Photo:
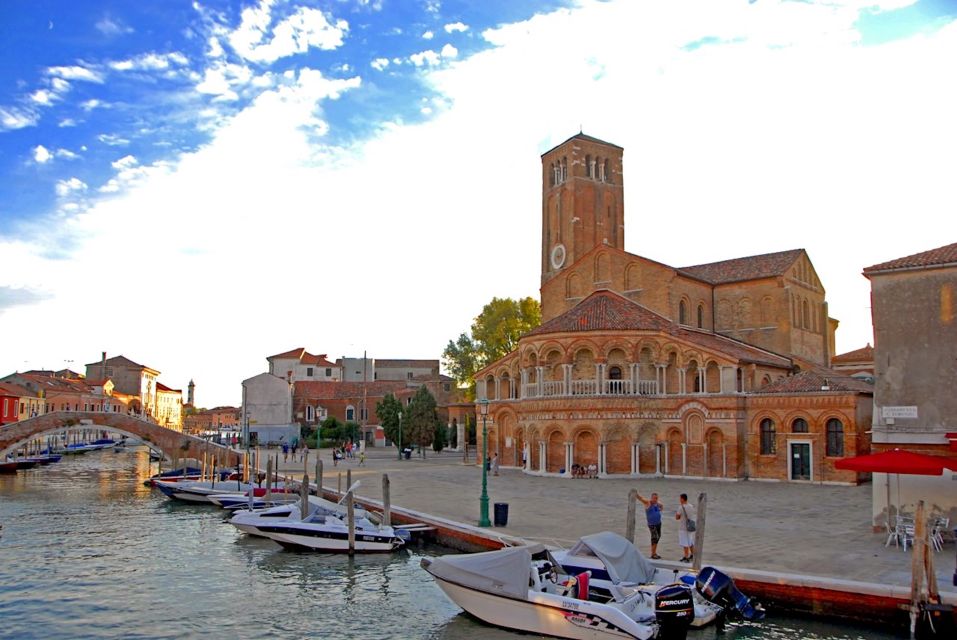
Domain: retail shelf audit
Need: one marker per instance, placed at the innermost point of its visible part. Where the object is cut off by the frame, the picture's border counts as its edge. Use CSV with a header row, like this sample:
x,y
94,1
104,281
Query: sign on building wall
x,y
899,412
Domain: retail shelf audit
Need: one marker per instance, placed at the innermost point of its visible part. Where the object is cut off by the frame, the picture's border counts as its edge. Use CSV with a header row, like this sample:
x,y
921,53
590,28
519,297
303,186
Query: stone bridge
x,y
173,444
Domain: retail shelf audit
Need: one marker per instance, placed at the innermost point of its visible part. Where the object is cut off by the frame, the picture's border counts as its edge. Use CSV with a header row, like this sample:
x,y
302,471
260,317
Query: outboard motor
x,y
674,611
718,587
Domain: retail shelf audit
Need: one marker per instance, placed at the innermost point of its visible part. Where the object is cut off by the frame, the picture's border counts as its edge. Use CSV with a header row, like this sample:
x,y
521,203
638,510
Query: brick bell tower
x,y
583,203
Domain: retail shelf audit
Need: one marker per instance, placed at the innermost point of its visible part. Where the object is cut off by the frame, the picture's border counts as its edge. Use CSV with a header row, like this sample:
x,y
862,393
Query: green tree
x,y
387,412
495,333
422,419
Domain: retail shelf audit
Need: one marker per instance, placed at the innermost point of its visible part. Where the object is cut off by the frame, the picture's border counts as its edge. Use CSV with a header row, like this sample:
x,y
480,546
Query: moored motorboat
x,y
229,500
196,491
520,588
8,467
618,569
329,533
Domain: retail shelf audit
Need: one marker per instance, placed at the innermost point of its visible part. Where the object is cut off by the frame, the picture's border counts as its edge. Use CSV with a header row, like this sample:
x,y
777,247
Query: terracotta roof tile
x,y
333,389
814,380
304,357
605,310
15,390
864,354
935,257
750,268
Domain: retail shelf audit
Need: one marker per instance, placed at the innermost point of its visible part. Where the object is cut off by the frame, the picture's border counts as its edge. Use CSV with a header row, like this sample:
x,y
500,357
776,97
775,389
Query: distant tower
x,y
583,204
190,394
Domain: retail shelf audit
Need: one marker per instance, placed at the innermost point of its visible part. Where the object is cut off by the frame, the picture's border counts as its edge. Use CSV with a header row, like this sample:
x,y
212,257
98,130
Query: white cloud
x,y
76,72
304,29
448,51
223,80
150,62
125,162
112,140
423,58
379,64
41,154
91,104
428,35
66,153
65,188
67,122
43,97
215,49
109,26
455,27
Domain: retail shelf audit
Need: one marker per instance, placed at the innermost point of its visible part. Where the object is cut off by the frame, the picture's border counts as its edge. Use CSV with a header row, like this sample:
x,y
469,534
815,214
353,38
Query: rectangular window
x,y
23,408
328,372
363,414
408,375
308,372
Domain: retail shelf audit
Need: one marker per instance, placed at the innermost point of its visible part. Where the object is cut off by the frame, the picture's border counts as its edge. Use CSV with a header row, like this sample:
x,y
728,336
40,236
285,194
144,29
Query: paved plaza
x,y
808,529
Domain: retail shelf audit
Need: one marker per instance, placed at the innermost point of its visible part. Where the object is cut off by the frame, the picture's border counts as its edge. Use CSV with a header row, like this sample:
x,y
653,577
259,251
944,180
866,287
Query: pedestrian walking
x,y
285,452
495,464
685,515
362,458
653,516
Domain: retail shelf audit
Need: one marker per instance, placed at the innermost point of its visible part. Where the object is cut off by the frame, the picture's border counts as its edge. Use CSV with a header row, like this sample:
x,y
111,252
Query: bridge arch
x,y
172,444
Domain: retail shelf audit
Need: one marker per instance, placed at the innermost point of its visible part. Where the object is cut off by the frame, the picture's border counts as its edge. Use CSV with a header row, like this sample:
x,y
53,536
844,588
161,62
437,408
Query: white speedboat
x,y
190,491
520,588
619,569
241,500
329,533
249,521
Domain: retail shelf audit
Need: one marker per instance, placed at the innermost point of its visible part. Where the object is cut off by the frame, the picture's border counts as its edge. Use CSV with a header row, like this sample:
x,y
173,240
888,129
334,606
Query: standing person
x,y
285,452
362,458
685,538
653,510
495,463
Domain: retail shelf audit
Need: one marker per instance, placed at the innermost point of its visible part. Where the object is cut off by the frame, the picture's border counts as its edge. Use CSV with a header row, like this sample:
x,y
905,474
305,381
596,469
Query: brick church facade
x,y
718,370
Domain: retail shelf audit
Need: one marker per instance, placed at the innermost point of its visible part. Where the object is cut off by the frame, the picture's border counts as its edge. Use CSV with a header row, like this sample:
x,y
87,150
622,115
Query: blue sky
x,y
200,185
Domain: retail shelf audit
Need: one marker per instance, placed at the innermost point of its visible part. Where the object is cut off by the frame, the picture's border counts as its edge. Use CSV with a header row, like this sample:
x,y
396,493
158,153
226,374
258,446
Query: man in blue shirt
x,y
653,514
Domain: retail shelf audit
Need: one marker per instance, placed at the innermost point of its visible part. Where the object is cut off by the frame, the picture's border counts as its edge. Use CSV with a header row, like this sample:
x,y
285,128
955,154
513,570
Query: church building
x,y
717,370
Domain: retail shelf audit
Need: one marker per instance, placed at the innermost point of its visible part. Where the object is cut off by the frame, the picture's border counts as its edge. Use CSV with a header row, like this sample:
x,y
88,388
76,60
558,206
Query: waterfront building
x,y
169,407
215,419
298,364
717,370
136,381
12,396
914,310
43,393
267,409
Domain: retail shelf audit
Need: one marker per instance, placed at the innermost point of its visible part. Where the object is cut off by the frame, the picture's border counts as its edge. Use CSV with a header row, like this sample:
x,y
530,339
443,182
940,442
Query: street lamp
x,y
483,501
400,435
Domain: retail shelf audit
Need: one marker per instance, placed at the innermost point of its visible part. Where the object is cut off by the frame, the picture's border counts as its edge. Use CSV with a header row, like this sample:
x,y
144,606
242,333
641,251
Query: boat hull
x,y
296,537
547,615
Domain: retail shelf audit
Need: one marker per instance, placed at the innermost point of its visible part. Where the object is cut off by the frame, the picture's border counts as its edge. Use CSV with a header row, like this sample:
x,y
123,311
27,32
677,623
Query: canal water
x,y
86,551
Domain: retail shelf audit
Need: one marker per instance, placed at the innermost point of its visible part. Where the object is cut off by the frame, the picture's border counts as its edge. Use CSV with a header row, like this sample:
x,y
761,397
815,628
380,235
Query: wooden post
x,y
319,476
351,514
699,531
348,478
917,566
304,494
339,485
202,475
386,502
630,522
267,496
212,475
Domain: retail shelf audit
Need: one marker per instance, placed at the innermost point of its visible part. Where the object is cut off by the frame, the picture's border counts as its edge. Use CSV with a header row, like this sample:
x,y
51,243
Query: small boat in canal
x,y
249,521
239,500
619,569
329,533
8,467
524,589
196,491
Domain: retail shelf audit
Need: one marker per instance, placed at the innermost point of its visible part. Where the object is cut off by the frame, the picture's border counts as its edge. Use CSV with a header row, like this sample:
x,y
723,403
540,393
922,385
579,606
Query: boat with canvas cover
x,y
196,491
618,569
523,589
248,521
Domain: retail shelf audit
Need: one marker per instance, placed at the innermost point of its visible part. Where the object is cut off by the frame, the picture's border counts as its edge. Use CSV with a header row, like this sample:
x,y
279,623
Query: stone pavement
x,y
818,530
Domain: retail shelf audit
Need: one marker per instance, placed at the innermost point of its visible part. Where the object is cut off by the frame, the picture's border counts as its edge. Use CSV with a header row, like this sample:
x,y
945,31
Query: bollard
x,y
630,522
386,502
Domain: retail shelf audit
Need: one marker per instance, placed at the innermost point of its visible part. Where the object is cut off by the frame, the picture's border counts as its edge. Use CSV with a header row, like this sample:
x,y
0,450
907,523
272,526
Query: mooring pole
x,y
351,511
630,522
319,476
304,494
348,478
386,502
269,467
699,531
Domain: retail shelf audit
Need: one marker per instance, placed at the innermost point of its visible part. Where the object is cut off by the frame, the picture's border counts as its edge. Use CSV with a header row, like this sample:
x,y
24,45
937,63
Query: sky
x,y
200,185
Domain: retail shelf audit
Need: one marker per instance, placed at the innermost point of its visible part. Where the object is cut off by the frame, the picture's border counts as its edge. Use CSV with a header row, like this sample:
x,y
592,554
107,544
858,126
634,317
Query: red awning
x,y
898,461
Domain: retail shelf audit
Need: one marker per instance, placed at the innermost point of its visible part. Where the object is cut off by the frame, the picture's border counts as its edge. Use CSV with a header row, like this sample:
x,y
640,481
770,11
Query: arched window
x,y
835,438
768,433
350,413
602,169
614,373
701,316
310,413
682,313
799,426
807,315
589,167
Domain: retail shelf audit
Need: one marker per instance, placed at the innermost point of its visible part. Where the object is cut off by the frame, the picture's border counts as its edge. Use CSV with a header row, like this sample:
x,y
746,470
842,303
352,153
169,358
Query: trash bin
x,y
501,514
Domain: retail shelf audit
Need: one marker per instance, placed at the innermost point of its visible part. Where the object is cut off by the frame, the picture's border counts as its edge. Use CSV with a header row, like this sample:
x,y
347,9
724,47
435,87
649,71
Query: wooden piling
x,y
386,502
351,514
202,473
699,531
339,485
630,522
318,476
304,495
269,468
348,479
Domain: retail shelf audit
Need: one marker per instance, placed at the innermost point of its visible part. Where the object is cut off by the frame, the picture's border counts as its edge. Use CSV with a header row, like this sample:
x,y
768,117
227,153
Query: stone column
x,y
635,458
662,373
498,388
539,371
600,378
567,378
682,381
569,455
684,458
461,436
601,459
542,449
521,388
658,455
